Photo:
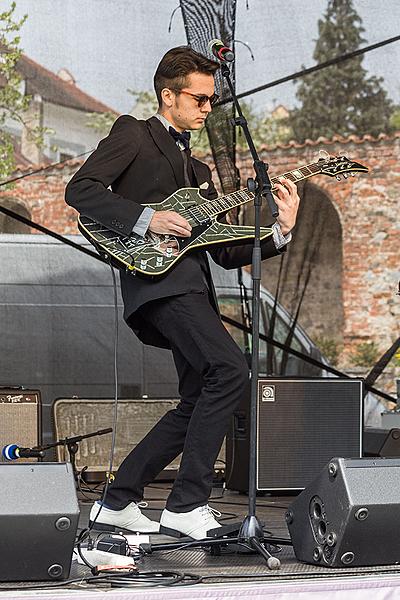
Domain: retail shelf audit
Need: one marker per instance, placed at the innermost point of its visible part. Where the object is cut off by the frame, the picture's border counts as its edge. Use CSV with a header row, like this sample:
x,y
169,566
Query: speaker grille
x,y
20,412
135,419
302,424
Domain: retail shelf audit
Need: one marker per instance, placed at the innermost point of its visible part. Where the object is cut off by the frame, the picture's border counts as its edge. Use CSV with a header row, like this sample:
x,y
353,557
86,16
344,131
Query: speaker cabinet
x,y
20,419
39,517
381,442
348,516
301,425
135,418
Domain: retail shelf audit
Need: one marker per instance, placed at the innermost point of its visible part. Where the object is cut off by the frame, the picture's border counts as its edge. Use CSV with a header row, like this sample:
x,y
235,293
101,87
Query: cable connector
x,y
98,558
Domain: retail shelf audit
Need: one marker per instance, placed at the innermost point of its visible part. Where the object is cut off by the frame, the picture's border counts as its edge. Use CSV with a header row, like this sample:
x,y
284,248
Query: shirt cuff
x,y
280,240
142,224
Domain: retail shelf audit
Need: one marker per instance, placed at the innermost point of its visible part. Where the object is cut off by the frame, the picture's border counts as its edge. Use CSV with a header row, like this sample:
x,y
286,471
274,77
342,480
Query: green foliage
x,y
396,359
145,103
340,99
100,122
13,102
395,119
267,128
329,348
366,355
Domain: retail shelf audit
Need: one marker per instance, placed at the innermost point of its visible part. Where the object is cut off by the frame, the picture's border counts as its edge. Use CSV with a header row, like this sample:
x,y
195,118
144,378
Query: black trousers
x,y
213,375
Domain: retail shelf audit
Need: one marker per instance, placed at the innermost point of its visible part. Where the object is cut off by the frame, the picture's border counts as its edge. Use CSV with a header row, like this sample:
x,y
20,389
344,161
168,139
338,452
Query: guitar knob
x,y
338,177
353,174
169,252
159,261
345,175
143,264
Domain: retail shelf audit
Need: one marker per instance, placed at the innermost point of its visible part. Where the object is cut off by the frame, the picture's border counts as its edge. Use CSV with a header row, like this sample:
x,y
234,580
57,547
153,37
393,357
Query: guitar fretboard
x,y
212,208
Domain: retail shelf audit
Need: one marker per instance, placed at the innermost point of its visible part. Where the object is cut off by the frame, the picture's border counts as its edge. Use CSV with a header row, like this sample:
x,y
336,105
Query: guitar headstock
x,y
334,166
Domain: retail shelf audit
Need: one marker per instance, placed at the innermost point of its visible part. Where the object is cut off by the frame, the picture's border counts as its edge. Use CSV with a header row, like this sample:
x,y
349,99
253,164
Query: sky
x,y
112,45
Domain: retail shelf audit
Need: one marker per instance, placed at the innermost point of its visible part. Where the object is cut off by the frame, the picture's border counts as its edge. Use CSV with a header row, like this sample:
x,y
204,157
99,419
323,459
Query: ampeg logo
x,y
268,393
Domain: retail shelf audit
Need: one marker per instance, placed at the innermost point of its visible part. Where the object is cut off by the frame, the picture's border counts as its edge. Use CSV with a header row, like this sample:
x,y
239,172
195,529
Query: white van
x,y
57,327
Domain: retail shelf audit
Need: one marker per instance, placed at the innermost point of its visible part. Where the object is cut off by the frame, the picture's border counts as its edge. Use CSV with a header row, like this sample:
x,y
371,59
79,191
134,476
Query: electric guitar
x,y
155,254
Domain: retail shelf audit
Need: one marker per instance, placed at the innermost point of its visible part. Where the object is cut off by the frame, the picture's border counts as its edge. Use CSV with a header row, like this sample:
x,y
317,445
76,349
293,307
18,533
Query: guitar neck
x,y
224,203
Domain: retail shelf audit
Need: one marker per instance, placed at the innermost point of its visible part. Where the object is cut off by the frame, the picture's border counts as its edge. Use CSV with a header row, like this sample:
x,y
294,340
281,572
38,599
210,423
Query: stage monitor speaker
x,y
136,416
381,442
301,425
348,516
39,517
20,419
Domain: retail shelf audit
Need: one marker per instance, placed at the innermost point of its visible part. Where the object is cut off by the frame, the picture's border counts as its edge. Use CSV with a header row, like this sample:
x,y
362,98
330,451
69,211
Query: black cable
x,y
306,358
57,236
146,579
85,533
41,169
181,579
303,72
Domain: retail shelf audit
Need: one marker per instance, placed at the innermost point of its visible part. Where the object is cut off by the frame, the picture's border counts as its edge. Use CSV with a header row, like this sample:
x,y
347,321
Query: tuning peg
x,y
338,177
323,155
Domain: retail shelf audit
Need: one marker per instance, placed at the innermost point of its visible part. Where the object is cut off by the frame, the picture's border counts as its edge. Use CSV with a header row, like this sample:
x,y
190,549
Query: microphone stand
x,y
251,532
71,444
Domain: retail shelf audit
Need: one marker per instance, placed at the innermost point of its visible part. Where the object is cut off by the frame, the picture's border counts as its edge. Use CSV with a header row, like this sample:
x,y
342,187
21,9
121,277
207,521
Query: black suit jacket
x,y
140,162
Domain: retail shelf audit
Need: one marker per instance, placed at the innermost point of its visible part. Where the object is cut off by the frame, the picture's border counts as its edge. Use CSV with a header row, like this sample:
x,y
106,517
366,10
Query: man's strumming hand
x,y
169,222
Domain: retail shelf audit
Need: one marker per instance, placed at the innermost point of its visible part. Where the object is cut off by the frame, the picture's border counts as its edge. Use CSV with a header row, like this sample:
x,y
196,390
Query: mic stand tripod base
x,y
251,533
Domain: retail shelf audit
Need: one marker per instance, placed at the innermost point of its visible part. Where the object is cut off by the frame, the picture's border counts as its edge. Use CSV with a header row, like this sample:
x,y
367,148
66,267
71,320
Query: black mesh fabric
x,y
206,20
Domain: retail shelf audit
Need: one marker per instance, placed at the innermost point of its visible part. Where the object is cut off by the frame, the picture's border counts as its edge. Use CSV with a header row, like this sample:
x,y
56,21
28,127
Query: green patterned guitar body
x,y
154,254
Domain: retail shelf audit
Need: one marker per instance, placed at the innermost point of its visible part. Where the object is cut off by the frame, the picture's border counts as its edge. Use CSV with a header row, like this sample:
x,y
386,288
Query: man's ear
x,y
167,97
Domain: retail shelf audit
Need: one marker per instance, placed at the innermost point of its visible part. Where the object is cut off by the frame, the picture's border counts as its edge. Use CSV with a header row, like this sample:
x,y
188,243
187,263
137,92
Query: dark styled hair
x,y
176,65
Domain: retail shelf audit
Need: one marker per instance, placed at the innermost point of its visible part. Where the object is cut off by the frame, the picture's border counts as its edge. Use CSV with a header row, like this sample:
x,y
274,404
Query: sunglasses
x,y
201,99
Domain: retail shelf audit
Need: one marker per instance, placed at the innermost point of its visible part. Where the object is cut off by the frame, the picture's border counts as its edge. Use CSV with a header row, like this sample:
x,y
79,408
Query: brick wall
x,y
351,296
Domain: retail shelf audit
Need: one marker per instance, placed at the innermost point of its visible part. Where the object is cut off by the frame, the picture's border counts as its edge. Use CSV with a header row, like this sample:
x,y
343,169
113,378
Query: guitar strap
x,y
191,181
188,171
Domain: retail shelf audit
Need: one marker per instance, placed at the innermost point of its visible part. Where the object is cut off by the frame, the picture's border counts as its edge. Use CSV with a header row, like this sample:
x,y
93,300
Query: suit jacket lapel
x,y
168,147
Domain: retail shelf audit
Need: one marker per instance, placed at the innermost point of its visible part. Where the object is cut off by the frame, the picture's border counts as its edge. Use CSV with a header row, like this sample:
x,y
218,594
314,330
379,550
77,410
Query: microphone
x,y
220,51
12,452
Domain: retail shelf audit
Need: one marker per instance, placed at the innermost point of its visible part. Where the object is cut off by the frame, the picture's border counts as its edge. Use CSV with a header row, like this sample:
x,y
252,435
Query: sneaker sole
x,y
174,533
115,529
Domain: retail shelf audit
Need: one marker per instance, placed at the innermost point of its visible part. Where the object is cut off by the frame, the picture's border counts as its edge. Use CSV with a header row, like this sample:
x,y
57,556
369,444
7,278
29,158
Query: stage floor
x,y
229,575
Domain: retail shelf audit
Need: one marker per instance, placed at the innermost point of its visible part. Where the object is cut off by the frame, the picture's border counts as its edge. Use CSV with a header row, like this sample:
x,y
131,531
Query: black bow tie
x,y
183,138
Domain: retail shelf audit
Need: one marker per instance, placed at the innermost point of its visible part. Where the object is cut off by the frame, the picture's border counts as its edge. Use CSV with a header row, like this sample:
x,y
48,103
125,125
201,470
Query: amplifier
x,y
136,416
20,419
301,425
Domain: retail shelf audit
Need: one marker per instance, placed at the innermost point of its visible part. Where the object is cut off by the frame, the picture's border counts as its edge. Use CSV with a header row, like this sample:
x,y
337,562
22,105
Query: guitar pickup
x,y
205,221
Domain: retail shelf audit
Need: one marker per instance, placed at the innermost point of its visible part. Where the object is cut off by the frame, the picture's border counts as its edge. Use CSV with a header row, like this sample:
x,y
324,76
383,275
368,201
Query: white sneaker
x,y
130,519
195,523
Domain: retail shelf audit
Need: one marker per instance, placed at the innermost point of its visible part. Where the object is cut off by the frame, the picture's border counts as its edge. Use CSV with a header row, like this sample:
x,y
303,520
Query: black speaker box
x,y
349,515
301,424
39,517
381,442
